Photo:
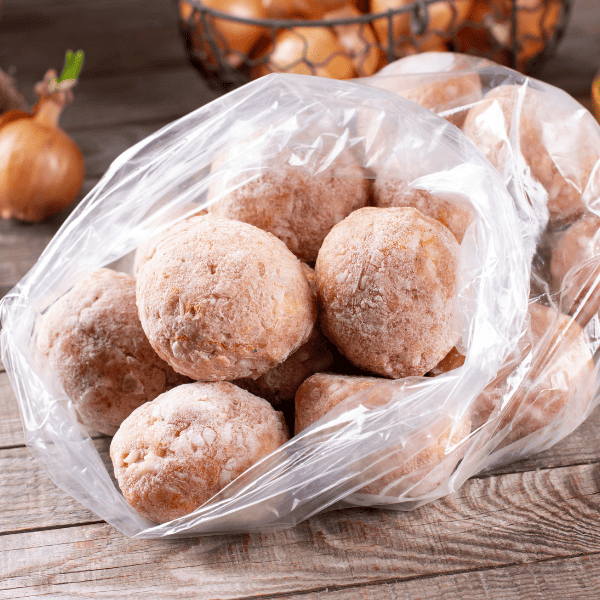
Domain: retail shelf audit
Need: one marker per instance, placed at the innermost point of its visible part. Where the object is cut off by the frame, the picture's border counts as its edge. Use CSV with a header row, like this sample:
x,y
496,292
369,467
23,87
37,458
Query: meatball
x,y
95,343
297,207
386,281
454,214
221,300
408,467
560,147
172,455
576,246
566,381
279,384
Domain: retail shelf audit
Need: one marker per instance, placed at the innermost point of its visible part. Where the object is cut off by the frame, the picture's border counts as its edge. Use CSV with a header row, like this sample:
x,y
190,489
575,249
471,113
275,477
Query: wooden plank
x,y
101,146
51,507
577,577
22,243
30,498
11,429
489,523
116,36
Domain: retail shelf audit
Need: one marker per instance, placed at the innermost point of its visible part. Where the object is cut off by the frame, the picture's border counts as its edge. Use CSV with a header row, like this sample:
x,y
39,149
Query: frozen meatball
x,y
172,455
300,209
95,343
455,215
567,380
576,246
220,299
408,468
560,146
324,391
386,282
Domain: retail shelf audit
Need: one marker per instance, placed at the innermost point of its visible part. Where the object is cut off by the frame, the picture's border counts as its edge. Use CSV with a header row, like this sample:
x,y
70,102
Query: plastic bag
x,y
546,146
369,435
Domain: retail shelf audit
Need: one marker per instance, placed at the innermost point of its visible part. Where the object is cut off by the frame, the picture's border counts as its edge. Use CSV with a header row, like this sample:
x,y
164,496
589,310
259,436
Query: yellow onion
x,y
596,95
41,167
358,40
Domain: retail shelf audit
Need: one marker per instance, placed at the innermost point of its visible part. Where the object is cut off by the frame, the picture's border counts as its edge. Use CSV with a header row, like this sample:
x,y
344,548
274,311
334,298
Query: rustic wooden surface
x,y
530,530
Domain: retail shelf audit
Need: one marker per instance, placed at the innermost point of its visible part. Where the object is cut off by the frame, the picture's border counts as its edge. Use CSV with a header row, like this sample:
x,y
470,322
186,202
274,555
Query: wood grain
x,y
31,500
489,523
50,506
577,577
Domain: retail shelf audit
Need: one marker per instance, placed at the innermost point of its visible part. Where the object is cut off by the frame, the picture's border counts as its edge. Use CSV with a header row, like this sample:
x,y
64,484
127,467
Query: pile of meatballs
x,y
227,339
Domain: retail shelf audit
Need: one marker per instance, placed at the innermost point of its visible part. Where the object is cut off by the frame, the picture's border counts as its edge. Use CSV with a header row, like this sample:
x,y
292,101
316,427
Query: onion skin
x,y
41,170
41,167
318,45
596,95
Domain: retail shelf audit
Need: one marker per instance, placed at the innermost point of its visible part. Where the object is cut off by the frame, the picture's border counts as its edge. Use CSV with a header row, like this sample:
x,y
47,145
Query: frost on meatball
x,y
560,147
95,343
172,455
386,280
221,299
407,467
297,207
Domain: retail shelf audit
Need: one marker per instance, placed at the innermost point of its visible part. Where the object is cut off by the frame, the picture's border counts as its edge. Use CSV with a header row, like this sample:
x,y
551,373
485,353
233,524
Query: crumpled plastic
x,y
370,434
546,147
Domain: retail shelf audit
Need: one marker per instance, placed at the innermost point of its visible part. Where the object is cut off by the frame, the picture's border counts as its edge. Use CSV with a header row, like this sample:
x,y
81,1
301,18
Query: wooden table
x,y
531,530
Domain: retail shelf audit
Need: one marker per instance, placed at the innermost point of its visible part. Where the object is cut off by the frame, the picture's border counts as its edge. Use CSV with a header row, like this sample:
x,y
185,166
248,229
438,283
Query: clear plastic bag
x,y
377,433
546,146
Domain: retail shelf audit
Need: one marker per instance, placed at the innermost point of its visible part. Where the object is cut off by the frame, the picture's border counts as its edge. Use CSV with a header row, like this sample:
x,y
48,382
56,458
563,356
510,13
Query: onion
x,y
307,9
358,40
234,39
41,167
443,16
307,51
536,24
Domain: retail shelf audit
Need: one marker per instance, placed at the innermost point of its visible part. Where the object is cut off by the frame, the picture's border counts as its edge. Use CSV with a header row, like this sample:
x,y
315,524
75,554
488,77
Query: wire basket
x,y
230,50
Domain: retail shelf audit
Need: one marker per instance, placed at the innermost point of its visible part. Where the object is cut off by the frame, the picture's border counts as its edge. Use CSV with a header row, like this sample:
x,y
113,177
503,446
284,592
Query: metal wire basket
x,y
521,34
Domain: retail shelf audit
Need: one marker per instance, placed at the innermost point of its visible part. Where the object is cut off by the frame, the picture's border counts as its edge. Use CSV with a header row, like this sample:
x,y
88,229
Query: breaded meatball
x,y
455,215
95,343
406,466
173,454
386,281
220,299
560,147
300,209
576,246
567,380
